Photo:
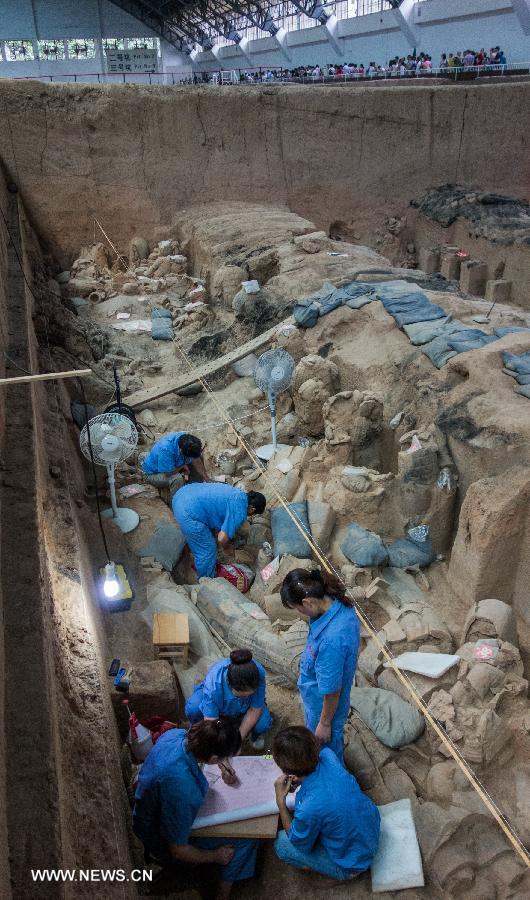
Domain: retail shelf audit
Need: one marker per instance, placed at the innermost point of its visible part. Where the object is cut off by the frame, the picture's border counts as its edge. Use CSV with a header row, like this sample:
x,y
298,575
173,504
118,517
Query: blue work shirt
x,y
171,789
328,662
166,455
331,808
219,507
217,696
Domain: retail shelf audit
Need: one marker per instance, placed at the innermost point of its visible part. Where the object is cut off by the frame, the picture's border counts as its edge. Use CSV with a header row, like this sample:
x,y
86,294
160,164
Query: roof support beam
x,y
521,9
153,20
327,21
403,11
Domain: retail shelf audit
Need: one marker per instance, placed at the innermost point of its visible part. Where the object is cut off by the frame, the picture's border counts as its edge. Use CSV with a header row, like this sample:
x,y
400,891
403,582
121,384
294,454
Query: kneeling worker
x,y
202,508
335,827
234,687
171,790
168,462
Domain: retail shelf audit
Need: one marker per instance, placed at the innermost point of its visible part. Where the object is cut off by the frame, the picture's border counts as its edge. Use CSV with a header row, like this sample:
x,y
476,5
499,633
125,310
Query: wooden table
x,y
261,828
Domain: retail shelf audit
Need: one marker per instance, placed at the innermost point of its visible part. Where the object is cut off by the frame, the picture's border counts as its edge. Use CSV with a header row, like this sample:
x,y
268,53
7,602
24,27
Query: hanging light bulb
x,y
111,585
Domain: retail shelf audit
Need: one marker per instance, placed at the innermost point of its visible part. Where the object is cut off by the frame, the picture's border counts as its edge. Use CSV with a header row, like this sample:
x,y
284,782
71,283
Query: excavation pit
x,y
378,436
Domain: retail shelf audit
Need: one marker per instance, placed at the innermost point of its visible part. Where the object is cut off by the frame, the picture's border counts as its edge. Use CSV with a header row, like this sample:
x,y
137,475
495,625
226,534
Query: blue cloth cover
x,y
306,313
503,330
161,329
423,332
407,552
364,548
470,339
285,534
518,363
414,307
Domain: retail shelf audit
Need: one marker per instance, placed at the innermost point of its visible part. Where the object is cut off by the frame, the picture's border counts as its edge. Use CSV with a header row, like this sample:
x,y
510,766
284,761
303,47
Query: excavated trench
x,y
233,215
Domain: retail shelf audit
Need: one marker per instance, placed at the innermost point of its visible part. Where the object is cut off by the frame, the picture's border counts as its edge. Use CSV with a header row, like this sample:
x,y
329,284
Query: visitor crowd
x,y
411,65
401,66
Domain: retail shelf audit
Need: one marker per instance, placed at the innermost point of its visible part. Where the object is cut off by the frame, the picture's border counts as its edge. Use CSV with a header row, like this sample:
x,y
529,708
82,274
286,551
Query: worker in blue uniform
x,y
234,687
335,827
201,509
327,666
171,789
172,459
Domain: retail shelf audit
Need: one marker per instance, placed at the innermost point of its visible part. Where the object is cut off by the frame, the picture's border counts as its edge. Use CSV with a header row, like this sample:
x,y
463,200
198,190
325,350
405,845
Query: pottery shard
x,y
138,250
441,707
98,254
486,680
81,287
167,248
226,284
490,618
313,242
315,379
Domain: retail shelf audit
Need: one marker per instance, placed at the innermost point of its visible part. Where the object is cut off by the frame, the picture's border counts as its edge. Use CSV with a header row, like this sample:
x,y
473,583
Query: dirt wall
x,y
509,262
133,155
62,801
5,890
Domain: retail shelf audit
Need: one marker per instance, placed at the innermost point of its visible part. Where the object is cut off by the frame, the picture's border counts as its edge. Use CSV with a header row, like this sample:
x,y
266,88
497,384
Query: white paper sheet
x,y
252,796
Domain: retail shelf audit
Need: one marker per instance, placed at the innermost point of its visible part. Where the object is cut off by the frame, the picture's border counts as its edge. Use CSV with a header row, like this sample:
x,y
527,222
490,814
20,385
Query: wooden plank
x,y
46,376
262,828
148,395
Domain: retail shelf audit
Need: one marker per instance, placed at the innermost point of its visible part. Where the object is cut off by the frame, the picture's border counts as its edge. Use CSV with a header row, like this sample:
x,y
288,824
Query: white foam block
x,y
432,665
397,864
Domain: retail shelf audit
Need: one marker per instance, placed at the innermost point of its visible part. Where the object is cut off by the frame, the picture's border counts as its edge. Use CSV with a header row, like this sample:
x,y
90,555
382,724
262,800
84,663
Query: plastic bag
x,y
237,574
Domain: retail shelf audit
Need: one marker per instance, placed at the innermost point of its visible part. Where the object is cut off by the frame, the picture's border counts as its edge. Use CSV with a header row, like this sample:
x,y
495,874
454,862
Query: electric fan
x,y
273,374
113,438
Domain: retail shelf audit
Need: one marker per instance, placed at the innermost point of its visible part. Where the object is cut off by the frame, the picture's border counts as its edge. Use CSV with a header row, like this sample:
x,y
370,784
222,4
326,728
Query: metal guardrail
x,y
262,75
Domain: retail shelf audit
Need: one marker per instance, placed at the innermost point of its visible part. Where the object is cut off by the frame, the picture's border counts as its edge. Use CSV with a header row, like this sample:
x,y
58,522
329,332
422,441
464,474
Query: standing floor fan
x,y
113,437
273,375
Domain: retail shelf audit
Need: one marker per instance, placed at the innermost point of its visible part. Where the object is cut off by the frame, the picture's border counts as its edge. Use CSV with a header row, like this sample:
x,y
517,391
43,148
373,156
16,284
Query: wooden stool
x,y
171,637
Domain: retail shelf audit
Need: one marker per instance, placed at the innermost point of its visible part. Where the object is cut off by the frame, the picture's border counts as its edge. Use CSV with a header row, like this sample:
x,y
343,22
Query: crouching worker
x,y
335,827
168,463
234,687
201,509
171,790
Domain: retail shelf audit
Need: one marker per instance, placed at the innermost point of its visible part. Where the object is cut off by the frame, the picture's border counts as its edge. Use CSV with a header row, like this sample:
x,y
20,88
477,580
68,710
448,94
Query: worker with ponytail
x,y
327,666
234,687
171,790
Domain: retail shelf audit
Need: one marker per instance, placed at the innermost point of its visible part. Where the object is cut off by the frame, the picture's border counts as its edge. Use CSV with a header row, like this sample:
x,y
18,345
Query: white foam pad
x,y
432,665
397,864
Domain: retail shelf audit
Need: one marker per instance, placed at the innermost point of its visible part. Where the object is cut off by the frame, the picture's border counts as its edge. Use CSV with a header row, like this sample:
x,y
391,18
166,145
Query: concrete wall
x,y
133,156
440,26
55,19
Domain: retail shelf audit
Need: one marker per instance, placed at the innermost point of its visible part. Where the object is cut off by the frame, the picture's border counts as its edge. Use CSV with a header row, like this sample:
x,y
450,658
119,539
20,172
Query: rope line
x,y
470,775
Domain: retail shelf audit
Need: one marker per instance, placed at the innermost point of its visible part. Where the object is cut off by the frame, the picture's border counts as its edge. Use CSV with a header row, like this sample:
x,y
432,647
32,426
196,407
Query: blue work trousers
x,y
202,544
194,714
243,863
317,859
337,729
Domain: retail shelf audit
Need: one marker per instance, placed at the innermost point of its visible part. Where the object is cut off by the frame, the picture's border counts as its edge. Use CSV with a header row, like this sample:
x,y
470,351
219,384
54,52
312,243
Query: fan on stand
x,y
113,438
273,374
